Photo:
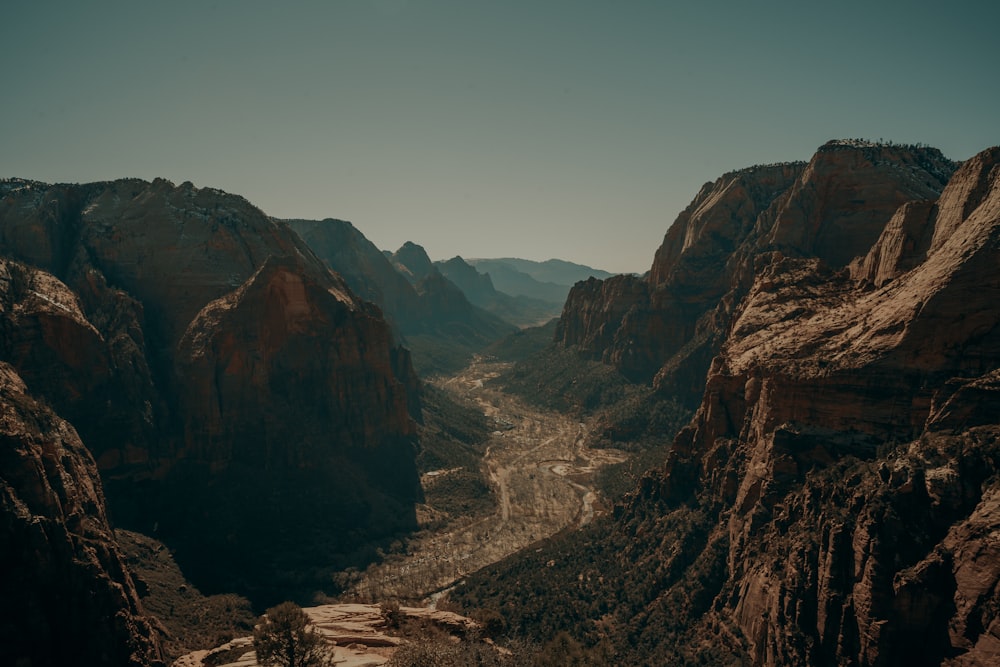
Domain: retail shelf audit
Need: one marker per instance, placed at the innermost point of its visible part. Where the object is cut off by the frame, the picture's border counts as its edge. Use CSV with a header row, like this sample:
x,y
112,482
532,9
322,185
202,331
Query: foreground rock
x,y
358,635
68,597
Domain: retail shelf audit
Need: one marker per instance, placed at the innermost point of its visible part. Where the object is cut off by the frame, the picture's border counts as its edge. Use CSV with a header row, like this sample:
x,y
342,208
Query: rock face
x,y
833,208
68,597
215,367
428,312
846,449
366,269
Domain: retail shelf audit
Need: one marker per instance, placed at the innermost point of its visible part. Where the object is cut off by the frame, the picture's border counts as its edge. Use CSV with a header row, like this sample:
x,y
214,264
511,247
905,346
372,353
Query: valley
x,y
540,468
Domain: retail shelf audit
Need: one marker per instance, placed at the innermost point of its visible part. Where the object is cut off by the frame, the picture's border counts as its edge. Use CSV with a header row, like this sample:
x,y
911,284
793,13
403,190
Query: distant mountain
x,y
432,315
478,287
550,280
365,268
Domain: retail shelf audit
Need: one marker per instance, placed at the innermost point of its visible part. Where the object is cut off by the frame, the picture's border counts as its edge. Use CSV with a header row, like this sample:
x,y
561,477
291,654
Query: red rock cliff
x,y
846,450
68,597
202,351
832,208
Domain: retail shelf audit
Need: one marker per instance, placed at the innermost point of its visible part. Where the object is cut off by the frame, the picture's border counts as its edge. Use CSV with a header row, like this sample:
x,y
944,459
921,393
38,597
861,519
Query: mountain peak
x,y
413,262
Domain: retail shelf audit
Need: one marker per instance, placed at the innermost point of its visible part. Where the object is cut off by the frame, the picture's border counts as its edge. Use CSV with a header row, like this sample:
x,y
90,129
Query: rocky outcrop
x,y
832,209
68,597
262,361
412,262
902,245
602,316
212,364
846,448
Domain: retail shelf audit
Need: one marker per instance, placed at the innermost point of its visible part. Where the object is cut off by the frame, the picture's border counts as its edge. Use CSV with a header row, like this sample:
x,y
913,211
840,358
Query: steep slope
x,y
367,270
451,328
199,318
834,499
833,208
858,510
434,319
638,324
68,597
478,289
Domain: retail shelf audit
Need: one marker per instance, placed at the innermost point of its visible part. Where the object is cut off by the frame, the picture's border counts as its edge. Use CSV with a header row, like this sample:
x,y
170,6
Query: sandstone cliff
x,y
845,451
68,597
208,358
832,208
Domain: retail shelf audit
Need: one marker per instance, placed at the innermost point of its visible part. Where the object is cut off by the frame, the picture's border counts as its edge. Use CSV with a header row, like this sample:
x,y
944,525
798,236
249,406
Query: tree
x,y
283,638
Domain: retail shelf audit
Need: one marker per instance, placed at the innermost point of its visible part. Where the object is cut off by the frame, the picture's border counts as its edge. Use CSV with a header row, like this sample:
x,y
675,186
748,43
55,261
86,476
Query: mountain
x,y
364,267
668,326
478,288
431,315
847,444
834,499
547,281
452,328
556,271
239,400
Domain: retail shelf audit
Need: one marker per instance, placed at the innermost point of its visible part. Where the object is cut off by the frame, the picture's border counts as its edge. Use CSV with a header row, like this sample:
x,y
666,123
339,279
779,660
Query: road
x,y
540,469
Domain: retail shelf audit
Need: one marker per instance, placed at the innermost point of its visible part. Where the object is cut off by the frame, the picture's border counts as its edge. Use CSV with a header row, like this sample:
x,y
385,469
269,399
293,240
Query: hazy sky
x,y
536,129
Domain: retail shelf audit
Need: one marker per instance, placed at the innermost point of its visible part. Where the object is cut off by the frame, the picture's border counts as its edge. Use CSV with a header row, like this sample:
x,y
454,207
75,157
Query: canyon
x,y
177,362
841,460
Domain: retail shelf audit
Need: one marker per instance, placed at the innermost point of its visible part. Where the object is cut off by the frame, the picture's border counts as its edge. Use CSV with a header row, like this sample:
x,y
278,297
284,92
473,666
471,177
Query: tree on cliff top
x,y
283,638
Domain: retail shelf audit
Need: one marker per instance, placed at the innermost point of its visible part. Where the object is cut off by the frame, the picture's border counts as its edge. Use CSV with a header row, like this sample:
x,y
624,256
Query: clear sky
x,y
572,129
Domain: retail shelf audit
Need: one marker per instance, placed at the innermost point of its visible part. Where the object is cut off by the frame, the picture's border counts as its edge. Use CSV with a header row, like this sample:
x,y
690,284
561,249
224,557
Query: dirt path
x,y
540,468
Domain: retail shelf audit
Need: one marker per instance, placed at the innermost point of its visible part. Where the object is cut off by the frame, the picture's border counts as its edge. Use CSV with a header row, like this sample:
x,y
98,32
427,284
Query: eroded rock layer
x,y
68,597
228,384
847,449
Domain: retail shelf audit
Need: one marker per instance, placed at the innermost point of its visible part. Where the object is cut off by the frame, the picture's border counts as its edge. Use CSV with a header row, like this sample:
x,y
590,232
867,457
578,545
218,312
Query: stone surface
x,y
357,635
846,448
68,597
833,209
214,366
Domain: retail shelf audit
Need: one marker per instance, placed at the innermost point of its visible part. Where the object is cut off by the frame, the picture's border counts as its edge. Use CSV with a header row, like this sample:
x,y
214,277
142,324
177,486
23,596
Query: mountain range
x,y
177,362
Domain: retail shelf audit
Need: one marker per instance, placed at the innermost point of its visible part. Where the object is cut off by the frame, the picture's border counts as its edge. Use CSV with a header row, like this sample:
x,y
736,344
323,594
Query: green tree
x,y
283,638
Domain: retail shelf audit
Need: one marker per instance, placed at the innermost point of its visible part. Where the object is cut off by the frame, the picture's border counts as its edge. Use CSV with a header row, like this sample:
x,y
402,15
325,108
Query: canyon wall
x,y
68,597
846,445
237,396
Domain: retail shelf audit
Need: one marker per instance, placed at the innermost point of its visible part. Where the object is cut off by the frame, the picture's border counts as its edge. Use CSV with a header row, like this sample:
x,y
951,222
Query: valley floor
x,y
541,470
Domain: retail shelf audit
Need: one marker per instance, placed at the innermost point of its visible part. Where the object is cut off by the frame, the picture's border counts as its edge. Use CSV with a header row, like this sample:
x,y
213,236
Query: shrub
x,y
283,638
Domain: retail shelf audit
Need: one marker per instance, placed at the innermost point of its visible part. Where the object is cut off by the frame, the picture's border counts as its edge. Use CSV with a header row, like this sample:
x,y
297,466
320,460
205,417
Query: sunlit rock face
x,y
214,366
832,208
68,597
847,442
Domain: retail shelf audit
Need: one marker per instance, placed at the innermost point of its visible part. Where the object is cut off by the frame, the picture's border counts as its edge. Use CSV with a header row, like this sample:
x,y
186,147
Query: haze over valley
x,y
503,334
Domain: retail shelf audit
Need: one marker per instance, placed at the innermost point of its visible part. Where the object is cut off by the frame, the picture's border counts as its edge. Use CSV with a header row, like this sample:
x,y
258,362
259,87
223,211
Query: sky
x,y
570,129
